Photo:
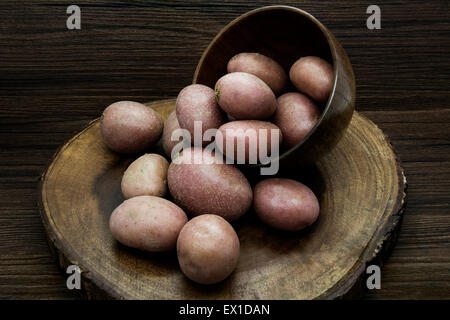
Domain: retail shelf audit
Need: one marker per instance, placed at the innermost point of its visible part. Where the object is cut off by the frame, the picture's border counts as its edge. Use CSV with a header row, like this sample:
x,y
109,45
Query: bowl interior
x,y
283,33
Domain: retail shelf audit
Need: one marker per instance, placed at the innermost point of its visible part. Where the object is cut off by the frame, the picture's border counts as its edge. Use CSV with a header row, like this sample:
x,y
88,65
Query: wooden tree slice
x,y
361,189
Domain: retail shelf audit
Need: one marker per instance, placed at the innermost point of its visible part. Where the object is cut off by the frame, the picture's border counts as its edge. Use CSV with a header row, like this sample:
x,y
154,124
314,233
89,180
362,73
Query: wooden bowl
x,y
286,34
360,186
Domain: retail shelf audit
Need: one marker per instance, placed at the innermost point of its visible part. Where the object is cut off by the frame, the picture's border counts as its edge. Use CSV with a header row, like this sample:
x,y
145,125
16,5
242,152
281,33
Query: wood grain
x,y
360,186
54,81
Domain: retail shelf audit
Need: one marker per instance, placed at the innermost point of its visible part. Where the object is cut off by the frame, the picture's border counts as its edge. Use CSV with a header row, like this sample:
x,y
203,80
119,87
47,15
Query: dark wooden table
x,y
53,81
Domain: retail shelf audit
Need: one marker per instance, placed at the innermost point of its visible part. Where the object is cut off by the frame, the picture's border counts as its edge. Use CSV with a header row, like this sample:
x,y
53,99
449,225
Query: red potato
x,y
265,68
246,135
170,126
146,176
207,187
130,127
313,76
208,249
147,223
198,103
285,204
296,115
245,96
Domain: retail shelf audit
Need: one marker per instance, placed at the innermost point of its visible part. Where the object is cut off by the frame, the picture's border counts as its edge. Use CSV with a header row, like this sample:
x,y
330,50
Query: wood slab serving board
x,y
360,186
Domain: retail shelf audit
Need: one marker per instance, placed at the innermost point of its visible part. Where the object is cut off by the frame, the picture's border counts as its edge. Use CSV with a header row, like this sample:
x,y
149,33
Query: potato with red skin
x,y
146,176
246,134
130,127
170,126
313,76
265,68
208,249
285,204
148,223
197,102
199,185
245,96
296,115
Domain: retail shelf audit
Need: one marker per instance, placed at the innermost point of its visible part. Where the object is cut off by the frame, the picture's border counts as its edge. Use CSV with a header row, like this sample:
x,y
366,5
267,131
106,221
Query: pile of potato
x,y
214,194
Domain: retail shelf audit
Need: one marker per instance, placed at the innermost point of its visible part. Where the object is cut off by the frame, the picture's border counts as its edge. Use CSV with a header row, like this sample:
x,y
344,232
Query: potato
x,y
313,76
197,103
170,126
147,223
201,187
130,127
265,68
146,176
246,136
245,96
285,204
296,115
208,249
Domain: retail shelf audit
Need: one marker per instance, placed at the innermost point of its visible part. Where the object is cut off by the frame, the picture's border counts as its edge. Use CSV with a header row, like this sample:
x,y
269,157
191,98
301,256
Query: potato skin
x,y
265,68
146,176
235,130
208,249
147,223
285,204
245,96
296,115
130,127
208,187
313,76
170,126
197,102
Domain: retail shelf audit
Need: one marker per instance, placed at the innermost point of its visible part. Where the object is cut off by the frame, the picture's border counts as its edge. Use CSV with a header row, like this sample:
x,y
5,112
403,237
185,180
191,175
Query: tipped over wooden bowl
x,y
285,34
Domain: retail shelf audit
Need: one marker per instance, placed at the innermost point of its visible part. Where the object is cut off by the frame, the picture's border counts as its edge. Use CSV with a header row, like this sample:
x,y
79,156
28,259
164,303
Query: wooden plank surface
x,y
53,81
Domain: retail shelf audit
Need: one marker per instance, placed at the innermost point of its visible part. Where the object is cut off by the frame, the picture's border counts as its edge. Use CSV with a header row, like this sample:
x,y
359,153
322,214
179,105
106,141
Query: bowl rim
x,y
333,51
